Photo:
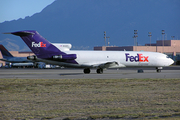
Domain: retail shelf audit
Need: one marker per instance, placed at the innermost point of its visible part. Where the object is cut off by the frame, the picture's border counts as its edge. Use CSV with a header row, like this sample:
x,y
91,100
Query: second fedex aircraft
x,y
48,53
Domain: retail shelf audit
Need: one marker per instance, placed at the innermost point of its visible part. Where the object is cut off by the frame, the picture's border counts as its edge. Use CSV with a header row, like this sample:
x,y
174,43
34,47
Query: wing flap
x,y
113,64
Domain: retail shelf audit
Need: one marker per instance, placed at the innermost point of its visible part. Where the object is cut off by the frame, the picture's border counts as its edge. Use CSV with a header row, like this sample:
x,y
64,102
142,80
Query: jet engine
x,y
65,57
32,57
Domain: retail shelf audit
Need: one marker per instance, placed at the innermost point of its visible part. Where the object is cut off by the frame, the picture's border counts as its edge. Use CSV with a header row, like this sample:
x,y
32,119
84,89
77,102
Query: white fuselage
x,y
123,58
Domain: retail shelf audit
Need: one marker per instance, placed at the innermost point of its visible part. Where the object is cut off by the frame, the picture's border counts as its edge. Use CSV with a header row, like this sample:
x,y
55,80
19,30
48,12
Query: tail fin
x,y
5,52
39,45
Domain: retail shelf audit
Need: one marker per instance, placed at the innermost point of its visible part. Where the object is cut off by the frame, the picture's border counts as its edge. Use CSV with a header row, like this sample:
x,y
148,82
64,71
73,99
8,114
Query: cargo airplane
x,y
46,52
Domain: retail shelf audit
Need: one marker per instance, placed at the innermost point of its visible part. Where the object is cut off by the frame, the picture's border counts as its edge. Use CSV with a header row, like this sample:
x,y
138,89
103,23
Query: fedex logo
x,y
138,58
40,44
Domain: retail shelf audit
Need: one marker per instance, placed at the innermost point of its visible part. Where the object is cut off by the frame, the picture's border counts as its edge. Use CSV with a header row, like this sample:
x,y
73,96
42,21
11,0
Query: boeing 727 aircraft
x,y
48,53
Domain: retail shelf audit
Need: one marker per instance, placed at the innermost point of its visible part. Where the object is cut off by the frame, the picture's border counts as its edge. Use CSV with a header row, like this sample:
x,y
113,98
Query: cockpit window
x,y
167,56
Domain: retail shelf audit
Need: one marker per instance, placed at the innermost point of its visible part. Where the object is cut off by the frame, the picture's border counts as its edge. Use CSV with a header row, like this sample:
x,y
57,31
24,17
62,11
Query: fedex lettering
x,y
40,44
138,58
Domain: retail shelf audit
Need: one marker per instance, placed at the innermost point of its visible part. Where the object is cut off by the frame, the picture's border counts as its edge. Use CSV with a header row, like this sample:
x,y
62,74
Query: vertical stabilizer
x,y
5,52
39,45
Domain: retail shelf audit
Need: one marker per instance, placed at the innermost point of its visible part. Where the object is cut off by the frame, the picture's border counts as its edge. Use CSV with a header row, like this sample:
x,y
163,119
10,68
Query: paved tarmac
x,y
167,72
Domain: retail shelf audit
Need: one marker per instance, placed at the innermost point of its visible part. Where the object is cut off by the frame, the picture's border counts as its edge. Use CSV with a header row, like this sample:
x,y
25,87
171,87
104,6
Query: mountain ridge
x,y
82,23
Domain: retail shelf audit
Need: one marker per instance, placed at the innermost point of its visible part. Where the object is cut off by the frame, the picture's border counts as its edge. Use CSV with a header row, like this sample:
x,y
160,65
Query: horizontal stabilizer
x,y
21,33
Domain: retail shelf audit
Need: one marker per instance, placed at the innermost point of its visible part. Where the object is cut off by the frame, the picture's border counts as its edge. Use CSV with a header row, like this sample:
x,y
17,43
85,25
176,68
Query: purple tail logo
x,y
138,58
40,44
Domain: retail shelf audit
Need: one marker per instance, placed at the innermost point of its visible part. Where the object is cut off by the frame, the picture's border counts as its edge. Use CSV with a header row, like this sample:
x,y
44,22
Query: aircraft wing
x,y
108,64
3,59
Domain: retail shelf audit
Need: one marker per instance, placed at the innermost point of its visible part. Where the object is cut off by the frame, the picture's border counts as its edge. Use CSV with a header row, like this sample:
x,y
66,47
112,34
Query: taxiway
x,y
128,73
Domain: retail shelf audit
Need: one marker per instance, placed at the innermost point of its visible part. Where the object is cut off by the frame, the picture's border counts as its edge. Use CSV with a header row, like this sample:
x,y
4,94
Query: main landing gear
x,y
99,71
87,71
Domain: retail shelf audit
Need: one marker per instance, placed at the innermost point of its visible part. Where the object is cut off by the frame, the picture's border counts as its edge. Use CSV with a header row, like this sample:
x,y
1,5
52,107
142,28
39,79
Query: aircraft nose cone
x,y
171,61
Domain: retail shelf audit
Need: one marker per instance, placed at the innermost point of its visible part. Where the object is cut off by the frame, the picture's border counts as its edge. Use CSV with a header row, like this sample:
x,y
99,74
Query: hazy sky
x,y
15,9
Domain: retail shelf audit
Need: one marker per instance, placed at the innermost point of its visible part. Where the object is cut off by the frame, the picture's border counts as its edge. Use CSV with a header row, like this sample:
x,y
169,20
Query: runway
x,y
127,73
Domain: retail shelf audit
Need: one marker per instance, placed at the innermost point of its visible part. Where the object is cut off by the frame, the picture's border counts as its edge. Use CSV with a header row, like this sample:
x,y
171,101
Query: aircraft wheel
x,y
87,71
140,71
158,70
99,71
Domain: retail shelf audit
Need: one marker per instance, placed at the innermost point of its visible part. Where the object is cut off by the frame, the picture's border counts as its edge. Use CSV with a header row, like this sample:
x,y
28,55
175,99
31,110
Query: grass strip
x,y
89,98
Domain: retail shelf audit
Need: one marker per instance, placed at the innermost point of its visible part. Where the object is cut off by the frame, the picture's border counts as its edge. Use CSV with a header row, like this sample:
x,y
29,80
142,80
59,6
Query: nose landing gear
x,y
158,69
